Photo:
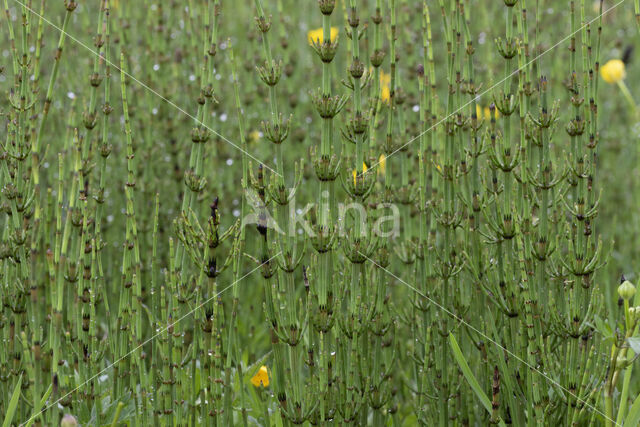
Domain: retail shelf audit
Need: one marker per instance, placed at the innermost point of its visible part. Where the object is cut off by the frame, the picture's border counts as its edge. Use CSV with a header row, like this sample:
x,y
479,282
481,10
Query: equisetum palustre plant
x,y
331,212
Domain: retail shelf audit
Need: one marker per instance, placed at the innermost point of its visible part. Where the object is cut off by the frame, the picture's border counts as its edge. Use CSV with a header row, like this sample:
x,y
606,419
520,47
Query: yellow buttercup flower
x,y
385,95
479,111
385,90
317,35
261,378
385,79
382,165
364,169
613,71
485,112
255,136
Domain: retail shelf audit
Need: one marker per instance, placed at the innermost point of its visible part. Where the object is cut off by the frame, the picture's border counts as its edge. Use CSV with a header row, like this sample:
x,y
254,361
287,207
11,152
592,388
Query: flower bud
x,y
626,290
68,421
377,57
263,23
622,362
356,69
95,79
70,5
326,6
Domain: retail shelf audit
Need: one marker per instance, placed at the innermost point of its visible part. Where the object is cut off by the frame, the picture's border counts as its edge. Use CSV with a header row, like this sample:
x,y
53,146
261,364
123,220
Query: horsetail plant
x,y
326,155
465,209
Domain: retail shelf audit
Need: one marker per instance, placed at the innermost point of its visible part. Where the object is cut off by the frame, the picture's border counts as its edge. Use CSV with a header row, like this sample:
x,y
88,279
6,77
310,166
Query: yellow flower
x,y
317,35
485,112
385,95
385,79
255,136
261,378
382,165
364,169
385,83
613,71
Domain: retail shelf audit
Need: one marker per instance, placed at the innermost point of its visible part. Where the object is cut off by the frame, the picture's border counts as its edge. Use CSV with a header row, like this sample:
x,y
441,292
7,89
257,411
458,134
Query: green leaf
x,y
109,409
466,371
603,327
117,415
41,405
502,364
13,404
46,395
633,418
634,343
471,379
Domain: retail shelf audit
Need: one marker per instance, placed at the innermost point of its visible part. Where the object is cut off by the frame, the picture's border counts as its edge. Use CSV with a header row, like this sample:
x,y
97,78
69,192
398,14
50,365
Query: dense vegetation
x,y
278,212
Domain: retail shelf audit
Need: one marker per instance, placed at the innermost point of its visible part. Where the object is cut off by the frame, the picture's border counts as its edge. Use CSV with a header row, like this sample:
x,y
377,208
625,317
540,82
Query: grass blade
x,y
13,404
633,418
471,379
